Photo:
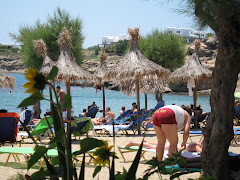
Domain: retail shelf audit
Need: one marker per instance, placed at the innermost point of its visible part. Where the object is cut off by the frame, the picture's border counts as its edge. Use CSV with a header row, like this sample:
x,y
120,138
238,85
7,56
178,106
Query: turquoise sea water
x,y
83,97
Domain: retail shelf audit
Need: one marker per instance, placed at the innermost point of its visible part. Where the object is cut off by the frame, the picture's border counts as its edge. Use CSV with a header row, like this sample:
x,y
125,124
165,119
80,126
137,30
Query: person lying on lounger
x,y
193,162
108,116
192,147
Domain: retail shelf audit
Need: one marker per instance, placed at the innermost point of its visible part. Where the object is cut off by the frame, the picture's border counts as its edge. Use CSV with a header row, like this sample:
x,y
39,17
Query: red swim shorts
x,y
164,116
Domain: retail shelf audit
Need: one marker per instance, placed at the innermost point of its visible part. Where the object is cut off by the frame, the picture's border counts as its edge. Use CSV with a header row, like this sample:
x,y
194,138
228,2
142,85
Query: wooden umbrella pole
x,y
195,95
145,101
195,104
69,140
68,92
103,90
138,107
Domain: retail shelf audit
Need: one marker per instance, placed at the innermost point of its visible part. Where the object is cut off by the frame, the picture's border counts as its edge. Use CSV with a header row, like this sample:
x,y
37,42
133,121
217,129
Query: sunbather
x,y
108,116
166,122
192,147
123,110
83,114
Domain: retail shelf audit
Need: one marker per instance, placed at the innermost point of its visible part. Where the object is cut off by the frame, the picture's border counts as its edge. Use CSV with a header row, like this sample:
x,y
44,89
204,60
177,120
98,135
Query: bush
x,y
167,50
49,32
122,46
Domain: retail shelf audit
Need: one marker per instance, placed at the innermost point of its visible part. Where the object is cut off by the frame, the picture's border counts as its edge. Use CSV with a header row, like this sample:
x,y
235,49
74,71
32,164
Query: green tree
x,y
49,32
122,46
223,18
165,49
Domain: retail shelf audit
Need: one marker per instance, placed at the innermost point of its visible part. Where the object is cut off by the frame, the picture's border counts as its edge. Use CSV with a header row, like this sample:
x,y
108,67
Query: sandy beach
x,y
11,170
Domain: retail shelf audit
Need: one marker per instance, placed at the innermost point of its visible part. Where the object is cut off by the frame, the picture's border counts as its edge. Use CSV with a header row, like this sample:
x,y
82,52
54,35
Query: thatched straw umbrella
x,y
135,65
100,73
192,70
46,67
150,84
47,64
7,80
68,69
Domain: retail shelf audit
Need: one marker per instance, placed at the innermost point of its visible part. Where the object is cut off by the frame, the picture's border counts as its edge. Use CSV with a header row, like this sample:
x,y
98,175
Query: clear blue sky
x,y
100,17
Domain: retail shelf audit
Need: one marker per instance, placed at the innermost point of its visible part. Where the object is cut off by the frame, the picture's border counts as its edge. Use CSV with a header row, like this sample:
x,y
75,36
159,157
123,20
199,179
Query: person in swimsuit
x,y
167,121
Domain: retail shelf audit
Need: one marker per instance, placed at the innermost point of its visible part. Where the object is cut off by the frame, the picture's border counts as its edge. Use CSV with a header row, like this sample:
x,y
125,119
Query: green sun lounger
x,y
123,150
26,152
39,129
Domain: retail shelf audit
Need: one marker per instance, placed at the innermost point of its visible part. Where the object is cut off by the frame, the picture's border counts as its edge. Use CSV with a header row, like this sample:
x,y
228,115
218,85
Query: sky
x,y
99,17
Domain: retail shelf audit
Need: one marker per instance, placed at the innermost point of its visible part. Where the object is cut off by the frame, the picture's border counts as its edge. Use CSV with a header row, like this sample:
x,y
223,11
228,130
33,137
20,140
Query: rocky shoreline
x,y
207,54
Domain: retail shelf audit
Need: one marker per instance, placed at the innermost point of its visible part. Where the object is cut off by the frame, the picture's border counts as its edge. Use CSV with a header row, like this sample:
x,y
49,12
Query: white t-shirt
x,y
179,115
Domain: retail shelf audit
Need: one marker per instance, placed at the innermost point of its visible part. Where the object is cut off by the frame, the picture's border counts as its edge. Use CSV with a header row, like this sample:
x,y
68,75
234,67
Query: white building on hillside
x,y
186,32
108,40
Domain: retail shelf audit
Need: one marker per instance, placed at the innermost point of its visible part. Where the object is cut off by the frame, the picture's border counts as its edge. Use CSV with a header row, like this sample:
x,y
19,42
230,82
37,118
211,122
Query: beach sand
x,y
11,170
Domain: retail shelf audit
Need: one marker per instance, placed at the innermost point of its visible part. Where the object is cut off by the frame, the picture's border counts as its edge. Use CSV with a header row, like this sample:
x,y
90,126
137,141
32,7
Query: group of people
x,y
134,108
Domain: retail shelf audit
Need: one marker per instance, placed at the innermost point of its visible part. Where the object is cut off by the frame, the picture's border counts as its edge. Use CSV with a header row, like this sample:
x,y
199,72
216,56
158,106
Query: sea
x,y
83,97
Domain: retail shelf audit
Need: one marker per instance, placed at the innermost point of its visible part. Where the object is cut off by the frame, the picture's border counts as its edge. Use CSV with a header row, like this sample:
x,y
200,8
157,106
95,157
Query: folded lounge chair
x,y
92,112
25,118
81,126
38,130
8,127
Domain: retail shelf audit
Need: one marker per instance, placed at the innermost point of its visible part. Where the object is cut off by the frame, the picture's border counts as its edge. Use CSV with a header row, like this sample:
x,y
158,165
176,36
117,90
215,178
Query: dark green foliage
x,y
97,50
167,50
49,32
110,49
122,46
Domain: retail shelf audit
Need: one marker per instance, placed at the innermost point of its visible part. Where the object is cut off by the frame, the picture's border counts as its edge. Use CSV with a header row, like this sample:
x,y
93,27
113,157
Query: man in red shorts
x,y
167,121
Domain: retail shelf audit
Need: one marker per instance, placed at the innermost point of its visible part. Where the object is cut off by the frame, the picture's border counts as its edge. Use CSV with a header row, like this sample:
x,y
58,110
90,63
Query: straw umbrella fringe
x,y
147,85
135,65
100,73
7,81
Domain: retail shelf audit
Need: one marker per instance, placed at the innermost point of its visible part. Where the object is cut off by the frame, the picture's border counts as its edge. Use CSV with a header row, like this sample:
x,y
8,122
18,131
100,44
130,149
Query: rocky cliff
x,y
11,63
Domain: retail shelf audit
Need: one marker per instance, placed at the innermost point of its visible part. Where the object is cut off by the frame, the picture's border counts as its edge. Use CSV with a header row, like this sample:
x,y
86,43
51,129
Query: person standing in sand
x,y
60,94
167,121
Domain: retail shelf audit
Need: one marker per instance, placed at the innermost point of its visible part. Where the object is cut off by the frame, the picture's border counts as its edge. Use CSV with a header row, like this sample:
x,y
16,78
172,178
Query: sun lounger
x,y
108,129
38,130
195,133
123,150
92,112
8,127
81,126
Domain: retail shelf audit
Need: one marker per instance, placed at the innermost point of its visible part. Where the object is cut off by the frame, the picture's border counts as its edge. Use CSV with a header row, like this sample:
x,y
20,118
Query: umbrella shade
x,y
47,64
68,69
6,80
237,94
99,74
191,69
